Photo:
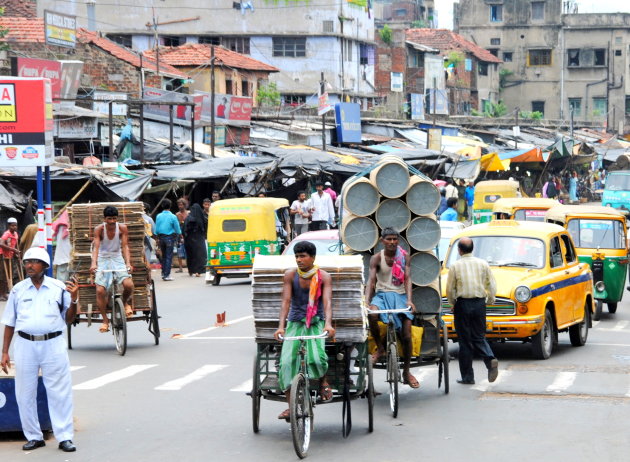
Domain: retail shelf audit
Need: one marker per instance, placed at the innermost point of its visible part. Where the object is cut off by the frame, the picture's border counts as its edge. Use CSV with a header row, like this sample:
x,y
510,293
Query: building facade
x,y
555,60
300,39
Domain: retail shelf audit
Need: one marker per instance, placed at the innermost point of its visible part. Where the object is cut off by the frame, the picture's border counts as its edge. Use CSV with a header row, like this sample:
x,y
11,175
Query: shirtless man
x,y
299,286
389,277
110,251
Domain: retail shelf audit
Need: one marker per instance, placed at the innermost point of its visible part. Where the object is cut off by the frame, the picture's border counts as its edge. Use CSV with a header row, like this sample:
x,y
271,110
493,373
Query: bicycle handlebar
x,y
111,270
305,337
400,310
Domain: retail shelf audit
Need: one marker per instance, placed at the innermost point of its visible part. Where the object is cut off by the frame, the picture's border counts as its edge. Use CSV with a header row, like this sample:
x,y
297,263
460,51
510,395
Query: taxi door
x,y
560,289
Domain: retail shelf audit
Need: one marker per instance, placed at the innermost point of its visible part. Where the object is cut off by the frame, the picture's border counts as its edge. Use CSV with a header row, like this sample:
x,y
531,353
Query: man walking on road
x,y
168,231
322,209
299,210
39,308
469,287
9,258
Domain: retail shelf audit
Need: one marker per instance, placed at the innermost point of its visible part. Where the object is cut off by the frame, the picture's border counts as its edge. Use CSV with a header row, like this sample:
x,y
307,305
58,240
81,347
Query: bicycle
x,y
118,318
302,399
392,362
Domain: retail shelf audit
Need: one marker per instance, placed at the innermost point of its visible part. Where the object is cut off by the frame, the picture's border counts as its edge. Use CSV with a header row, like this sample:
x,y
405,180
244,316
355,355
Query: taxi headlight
x,y
522,294
600,286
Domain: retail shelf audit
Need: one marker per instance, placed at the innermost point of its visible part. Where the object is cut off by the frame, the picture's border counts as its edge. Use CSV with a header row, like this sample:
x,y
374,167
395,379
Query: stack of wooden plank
x,y
83,219
349,315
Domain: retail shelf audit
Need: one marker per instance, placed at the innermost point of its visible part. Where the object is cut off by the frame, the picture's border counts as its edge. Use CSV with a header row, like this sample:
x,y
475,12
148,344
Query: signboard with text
x,y
417,106
181,114
102,102
26,122
39,68
348,122
76,128
324,106
229,110
61,29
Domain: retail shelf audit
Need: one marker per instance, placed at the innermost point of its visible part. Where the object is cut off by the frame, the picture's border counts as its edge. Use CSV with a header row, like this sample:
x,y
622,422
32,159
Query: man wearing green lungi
x,y
307,310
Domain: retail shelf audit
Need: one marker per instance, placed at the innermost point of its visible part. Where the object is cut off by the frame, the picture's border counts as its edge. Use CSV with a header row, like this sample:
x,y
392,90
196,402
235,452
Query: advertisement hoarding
x,y
39,68
76,128
26,122
348,122
181,114
229,110
417,106
61,29
118,109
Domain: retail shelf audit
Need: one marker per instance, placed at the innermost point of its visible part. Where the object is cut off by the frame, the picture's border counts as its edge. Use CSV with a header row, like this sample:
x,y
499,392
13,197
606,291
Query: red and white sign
x,y
323,106
39,68
240,108
26,122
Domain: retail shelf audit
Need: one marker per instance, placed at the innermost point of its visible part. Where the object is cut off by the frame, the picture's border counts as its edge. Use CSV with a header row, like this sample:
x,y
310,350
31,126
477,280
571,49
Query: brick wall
x,y
101,70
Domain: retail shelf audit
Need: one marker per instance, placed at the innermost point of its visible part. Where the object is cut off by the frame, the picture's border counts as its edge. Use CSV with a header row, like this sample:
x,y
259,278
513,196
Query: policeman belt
x,y
37,338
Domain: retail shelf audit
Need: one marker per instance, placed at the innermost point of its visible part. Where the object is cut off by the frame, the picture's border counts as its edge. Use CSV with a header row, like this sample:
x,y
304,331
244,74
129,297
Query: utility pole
x,y
156,38
516,125
434,99
212,141
572,122
322,89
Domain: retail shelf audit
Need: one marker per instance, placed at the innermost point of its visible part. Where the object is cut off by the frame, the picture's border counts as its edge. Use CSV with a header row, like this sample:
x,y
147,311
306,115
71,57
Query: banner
x,y
107,96
434,72
348,122
26,122
417,106
76,128
39,68
323,106
229,110
61,29
182,115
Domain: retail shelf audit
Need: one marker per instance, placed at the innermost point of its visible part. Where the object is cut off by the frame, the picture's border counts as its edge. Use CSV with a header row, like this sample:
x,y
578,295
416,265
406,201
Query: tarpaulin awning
x,y
12,198
470,152
493,163
131,189
525,155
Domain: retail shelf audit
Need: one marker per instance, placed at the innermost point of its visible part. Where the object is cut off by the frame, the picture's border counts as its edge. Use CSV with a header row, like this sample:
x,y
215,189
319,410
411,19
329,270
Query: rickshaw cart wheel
x,y
154,323
599,306
393,374
578,333
444,361
255,397
370,393
119,326
612,307
300,415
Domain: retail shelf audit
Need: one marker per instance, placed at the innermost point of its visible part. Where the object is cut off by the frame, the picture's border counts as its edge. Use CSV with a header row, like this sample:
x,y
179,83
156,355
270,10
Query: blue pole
x,y
48,216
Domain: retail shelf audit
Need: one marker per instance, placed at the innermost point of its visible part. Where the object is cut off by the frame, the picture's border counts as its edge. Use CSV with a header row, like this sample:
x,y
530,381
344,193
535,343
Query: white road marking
x,y
621,325
562,381
195,375
216,338
485,385
208,329
595,323
626,345
244,387
113,377
421,375
75,368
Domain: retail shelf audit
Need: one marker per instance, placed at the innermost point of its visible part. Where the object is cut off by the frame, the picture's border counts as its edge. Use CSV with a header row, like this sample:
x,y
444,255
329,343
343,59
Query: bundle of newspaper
x,y
349,314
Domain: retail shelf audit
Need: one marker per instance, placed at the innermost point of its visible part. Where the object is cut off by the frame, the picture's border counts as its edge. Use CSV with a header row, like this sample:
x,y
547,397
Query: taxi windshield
x,y
594,234
513,251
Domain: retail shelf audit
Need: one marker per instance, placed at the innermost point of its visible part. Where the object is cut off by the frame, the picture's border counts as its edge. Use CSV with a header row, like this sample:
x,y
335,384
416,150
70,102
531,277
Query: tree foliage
x,y
268,95
386,34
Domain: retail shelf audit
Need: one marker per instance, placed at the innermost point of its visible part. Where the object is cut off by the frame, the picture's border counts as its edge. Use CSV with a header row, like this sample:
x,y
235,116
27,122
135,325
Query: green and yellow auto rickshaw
x,y
240,229
599,235
487,193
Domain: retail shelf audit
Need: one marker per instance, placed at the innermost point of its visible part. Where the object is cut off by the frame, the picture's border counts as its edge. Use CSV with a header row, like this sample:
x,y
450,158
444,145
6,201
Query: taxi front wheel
x,y
542,342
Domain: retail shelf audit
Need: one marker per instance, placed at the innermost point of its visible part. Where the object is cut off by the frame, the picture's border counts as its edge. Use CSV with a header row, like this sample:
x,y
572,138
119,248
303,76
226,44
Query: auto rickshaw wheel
x,y
612,308
599,305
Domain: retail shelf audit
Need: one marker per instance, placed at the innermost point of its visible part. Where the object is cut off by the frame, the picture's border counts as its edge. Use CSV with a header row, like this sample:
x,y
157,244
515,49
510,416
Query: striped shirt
x,y
470,277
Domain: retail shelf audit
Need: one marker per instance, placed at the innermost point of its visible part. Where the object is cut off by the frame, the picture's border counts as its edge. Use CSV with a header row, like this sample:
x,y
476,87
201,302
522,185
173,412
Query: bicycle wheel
x,y
370,394
445,359
256,397
300,415
393,376
154,323
119,325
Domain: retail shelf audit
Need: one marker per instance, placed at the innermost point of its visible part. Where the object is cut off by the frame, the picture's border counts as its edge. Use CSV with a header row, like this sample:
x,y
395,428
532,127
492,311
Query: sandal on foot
x,y
285,415
411,381
128,311
377,358
104,328
325,393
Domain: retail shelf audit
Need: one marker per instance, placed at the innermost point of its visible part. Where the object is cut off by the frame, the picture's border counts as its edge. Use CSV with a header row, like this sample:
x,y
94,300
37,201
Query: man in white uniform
x,y
39,308
322,209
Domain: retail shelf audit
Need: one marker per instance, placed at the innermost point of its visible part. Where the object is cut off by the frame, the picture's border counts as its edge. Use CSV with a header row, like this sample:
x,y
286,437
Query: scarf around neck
x,y
314,292
398,269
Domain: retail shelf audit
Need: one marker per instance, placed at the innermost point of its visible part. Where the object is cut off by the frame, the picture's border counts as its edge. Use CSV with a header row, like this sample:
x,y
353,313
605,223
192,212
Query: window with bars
x,y
600,107
576,105
210,40
495,41
539,58
364,54
538,106
496,13
237,44
172,40
538,11
121,39
329,27
482,68
507,57
289,47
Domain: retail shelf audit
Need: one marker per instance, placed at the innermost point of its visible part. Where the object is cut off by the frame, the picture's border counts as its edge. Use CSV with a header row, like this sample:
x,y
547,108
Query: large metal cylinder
x,y
423,233
391,177
360,197
425,268
359,233
427,299
423,197
393,213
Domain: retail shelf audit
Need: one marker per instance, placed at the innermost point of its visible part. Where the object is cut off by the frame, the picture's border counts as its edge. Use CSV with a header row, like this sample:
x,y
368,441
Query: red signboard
x,y
42,68
240,108
25,122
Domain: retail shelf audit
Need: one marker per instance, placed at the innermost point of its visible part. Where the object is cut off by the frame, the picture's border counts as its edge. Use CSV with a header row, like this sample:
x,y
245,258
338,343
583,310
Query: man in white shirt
x,y
451,190
299,210
321,209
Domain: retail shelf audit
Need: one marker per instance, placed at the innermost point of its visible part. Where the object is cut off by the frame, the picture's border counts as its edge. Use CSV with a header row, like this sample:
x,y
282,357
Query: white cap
x,y
328,183
37,253
11,220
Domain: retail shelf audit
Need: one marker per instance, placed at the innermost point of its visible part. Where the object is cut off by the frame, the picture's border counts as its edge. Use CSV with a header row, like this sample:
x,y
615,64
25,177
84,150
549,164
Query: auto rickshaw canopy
x,y
488,192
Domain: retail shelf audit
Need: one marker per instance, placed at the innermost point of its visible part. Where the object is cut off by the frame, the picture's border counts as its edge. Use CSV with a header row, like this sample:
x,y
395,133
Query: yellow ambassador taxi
x,y
542,288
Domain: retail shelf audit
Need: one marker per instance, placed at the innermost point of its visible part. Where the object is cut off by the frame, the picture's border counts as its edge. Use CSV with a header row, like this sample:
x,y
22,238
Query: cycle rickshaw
x,y
349,367
83,219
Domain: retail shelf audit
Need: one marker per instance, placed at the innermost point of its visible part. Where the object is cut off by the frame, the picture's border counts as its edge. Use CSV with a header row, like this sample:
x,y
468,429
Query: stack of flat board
x,y
349,314
83,219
